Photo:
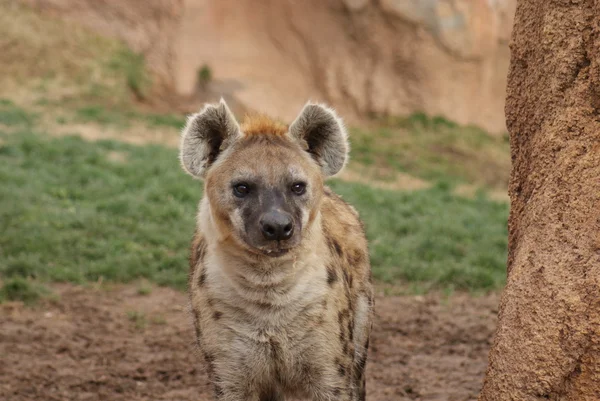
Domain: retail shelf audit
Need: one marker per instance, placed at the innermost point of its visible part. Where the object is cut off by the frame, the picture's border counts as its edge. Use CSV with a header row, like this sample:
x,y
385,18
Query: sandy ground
x,y
115,344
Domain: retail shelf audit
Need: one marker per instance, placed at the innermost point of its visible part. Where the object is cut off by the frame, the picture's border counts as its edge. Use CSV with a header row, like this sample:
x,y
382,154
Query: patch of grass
x,y
78,67
162,120
122,117
70,213
12,115
20,289
103,115
138,319
158,320
42,52
205,75
434,148
144,289
133,66
432,237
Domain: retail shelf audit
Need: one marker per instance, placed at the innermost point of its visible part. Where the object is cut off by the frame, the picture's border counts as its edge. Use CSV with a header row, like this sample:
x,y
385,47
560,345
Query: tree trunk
x,y
547,344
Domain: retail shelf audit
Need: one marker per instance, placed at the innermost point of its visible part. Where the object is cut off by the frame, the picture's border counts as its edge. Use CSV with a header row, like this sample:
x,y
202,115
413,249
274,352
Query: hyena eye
x,y
241,190
299,188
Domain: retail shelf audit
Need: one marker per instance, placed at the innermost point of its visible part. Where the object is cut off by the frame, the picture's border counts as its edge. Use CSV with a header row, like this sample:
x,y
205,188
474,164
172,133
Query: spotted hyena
x,y
280,280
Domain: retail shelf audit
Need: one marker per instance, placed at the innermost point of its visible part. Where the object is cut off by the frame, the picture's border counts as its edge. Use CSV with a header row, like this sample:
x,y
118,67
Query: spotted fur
x,y
293,325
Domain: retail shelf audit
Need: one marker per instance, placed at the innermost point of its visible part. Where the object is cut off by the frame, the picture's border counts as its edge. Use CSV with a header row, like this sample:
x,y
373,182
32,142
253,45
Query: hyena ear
x,y
321,132
205,135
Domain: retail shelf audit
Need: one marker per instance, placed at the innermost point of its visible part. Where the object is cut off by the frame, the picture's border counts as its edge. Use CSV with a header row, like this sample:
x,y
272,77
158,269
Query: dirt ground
x,y
115,344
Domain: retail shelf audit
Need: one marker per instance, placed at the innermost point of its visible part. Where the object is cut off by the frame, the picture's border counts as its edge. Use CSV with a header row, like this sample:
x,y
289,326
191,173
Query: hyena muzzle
x,y
280,279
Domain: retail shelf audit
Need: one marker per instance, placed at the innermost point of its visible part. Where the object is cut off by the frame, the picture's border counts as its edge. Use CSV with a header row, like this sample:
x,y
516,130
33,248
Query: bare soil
x,y
115,344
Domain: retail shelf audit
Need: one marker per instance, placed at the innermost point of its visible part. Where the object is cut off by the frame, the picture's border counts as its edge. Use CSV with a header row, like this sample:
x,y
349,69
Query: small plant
x,y
158,320
20,289
205,76
133,66
138,319
13,115
144,289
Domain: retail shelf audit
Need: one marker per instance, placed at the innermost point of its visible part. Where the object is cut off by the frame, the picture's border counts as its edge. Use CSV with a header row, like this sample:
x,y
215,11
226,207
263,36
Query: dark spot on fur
x,y
275,348
209,358
356,258
337,247
350,329
202,278
332,244
337,392
310,371
345,348
269,395
218,391
341,370
367,343
342,315
217,315
331,275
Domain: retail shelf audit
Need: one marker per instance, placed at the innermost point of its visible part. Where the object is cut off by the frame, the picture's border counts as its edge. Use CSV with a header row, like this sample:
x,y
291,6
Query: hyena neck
x,y
263,279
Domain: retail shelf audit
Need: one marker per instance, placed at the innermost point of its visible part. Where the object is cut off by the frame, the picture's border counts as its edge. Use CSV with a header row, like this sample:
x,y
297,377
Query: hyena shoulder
x,y
346,240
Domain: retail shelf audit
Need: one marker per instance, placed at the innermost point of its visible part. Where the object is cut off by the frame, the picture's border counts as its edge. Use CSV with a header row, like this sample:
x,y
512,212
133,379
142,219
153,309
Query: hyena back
x,y
280,279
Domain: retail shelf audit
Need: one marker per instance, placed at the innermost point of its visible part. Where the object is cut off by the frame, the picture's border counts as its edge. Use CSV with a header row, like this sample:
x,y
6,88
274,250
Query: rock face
x,y
547,342
366,57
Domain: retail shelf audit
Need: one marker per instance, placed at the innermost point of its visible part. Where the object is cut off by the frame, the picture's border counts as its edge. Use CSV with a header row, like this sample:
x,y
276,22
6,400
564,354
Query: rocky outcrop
x,y
366,57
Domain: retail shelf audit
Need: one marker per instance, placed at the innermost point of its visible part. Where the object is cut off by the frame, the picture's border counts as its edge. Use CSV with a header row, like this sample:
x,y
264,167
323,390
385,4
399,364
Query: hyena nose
x,y
277,226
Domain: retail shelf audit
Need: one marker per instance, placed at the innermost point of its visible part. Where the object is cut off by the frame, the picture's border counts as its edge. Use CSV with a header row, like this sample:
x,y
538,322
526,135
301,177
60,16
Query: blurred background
x,y
96,215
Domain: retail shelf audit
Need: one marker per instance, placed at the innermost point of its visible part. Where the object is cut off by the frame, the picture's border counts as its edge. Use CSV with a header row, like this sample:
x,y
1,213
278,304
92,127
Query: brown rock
x,y
547,343
364,57
395,57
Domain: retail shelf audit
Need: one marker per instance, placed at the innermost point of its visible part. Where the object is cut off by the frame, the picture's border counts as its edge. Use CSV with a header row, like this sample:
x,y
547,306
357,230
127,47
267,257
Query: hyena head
x,y
263,181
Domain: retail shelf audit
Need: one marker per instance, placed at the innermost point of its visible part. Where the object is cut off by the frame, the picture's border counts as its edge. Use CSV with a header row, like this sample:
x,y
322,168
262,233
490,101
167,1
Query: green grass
x,y
138,319
133,66
22,289
204,76
12,115
432,237
122,117
72,211
434,148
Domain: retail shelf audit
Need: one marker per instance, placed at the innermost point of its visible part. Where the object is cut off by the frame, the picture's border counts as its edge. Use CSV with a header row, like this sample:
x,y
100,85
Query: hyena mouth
x,y
274,252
